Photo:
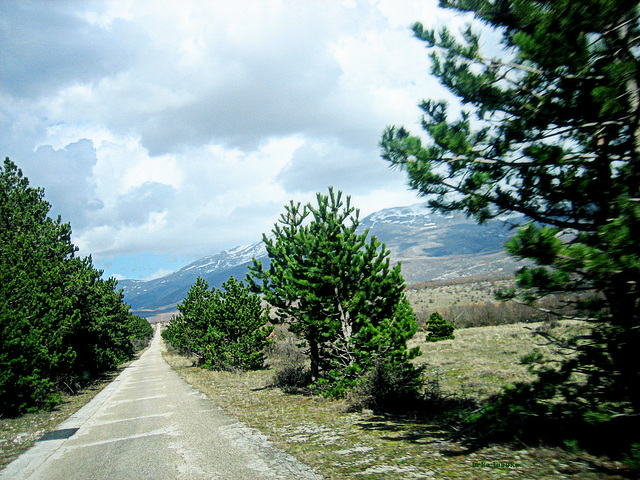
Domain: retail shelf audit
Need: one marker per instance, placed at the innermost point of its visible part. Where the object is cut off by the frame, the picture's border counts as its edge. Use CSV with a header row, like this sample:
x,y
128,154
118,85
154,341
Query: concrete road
x,y
150,424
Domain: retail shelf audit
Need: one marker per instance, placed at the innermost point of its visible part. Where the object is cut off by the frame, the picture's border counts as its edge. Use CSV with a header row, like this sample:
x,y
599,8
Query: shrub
x,y
225,329
292,378
438,328
632,459
389,386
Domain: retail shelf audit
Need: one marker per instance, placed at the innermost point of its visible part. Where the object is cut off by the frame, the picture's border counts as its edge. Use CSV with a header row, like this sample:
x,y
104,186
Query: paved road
x,y
150,424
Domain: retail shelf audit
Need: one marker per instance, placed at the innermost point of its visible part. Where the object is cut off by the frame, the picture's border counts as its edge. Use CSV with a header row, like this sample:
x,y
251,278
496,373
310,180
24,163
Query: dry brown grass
x,y
481,360
341,444
426,298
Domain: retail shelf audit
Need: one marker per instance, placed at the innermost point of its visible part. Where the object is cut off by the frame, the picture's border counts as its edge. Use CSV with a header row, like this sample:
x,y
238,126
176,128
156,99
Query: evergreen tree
x,y
239,330
337,290
60,324
550,129
187,329
226,328
438,328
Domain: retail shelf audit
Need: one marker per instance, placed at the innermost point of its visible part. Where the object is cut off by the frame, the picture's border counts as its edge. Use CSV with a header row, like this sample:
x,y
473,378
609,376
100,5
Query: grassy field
x,y
341,444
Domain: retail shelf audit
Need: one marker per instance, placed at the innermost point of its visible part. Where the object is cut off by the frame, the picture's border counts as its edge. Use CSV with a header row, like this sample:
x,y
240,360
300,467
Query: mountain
x,y
430,246
152,297
433,246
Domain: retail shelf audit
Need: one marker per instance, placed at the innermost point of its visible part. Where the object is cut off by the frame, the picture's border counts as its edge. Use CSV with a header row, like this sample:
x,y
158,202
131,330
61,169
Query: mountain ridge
x,y
430,246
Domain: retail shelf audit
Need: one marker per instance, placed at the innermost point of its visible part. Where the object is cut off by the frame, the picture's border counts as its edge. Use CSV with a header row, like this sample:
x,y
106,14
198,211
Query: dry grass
x,y
341,444
426,298
481,360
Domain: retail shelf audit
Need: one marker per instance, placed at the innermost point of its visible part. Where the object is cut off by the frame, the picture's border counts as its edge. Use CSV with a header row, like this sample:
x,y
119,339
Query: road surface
x,y
149,424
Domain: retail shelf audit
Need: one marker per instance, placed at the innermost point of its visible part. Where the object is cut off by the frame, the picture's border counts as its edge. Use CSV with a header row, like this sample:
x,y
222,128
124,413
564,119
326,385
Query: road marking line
x,y
133,387
152,433
110,422
135,382
154,397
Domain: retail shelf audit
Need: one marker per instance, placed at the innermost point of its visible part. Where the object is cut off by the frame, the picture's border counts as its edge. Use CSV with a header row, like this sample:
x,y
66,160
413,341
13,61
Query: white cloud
x,y
183,127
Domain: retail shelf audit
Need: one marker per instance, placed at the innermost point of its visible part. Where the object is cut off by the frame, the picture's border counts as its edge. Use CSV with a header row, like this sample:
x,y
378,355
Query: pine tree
x,y
60,323
438,328
550,129
336,289
226,328
187,329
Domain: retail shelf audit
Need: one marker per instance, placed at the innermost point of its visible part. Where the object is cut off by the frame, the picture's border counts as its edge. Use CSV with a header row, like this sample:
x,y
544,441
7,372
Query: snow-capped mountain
x,y
429,245
227,259
162,294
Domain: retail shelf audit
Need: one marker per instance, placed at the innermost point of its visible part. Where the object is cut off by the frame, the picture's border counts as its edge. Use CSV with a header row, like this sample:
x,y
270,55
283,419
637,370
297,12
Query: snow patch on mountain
x,y
416,215
429,245
228,258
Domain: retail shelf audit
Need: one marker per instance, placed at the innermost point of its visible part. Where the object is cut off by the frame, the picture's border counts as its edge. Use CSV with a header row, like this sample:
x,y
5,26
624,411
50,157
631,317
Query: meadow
x,y
341,442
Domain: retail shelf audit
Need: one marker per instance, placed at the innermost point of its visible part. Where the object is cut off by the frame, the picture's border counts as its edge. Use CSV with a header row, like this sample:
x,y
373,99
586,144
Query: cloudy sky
x,y
169,130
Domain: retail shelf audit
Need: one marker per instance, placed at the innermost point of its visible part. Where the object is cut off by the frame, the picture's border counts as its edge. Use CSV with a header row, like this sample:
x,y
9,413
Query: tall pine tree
x,y
550,129
336,289
60,323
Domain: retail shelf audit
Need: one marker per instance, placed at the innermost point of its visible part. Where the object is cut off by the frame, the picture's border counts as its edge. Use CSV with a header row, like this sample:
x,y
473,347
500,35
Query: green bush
x,y
632,459
389,386
438,328
226,329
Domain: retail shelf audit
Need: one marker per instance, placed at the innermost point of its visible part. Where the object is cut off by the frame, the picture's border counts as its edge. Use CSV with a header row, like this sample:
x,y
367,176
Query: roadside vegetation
x,y
549,128
225,329
335,289
61,325
342,440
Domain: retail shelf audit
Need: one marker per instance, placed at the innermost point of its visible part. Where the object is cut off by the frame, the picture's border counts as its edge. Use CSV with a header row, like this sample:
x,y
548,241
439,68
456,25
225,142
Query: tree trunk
x,y
346,327
314,353
623,303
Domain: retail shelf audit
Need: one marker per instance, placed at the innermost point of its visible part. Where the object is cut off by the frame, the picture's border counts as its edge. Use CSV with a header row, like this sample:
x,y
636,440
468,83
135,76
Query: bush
x,y
438,328
225,329
632,459
292,378
389,386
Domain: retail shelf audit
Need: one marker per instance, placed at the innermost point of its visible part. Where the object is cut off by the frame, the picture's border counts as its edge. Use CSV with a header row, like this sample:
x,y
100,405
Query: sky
x,y
166,131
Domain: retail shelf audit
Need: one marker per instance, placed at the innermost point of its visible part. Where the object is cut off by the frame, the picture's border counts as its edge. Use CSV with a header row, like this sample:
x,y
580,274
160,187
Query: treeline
x,y
225,329
61,324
